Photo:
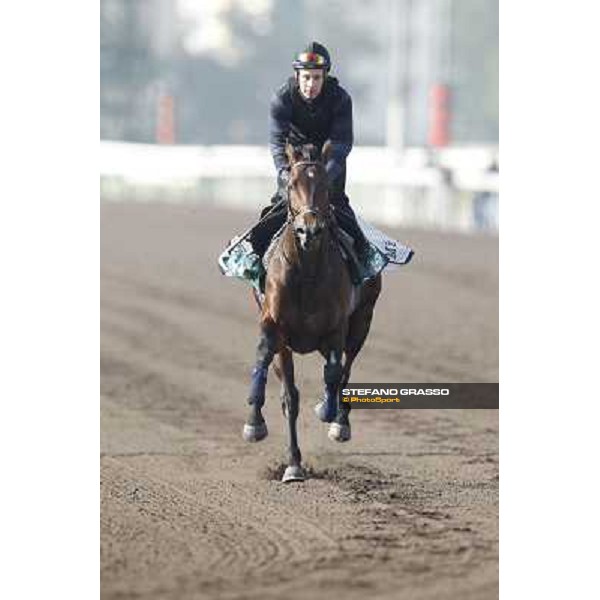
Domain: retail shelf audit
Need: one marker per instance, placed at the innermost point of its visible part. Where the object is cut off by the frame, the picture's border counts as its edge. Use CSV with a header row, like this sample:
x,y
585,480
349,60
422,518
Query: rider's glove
x,y
283,178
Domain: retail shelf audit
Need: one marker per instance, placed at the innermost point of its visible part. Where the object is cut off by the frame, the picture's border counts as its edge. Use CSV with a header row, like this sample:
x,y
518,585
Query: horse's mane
x,y
311,152
308,152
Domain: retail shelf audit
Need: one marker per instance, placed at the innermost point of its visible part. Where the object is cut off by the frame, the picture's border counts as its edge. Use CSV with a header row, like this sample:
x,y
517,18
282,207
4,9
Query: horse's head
x,y
308,194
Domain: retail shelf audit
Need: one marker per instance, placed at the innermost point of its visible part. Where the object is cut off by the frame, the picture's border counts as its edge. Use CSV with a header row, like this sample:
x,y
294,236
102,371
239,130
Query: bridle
x,y
292,214
327,218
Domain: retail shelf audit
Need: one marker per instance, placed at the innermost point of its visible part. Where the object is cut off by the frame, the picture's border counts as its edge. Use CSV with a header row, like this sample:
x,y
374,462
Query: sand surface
x,y
407,509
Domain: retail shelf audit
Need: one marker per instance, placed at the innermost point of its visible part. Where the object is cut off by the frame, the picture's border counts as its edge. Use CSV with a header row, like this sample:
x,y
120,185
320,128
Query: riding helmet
x,y
314,56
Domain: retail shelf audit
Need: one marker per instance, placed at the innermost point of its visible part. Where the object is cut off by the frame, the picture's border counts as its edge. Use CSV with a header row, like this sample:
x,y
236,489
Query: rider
x,y
310,108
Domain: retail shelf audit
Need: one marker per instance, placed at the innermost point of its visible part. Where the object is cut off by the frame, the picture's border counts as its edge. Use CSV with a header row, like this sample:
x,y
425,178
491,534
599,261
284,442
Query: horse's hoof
x,y
293,473
255,433
339,433
321,412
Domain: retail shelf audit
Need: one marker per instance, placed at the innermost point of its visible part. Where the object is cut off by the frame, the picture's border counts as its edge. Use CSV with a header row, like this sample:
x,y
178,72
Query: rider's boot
x,y
272,218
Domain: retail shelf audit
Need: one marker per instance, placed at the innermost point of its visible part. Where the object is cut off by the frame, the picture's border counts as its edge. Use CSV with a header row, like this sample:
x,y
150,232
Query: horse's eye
x,y
300,230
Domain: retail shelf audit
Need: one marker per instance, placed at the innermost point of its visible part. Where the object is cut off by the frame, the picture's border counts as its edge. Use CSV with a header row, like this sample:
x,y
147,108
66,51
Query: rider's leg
x,y
268,226
272,218
347,221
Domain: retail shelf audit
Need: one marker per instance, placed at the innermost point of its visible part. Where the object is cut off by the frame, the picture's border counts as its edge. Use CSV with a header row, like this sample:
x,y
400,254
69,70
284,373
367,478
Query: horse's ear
x,y
327,151
292,153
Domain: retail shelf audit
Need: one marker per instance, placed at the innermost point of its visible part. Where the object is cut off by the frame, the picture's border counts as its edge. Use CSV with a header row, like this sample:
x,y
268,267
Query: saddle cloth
x,y
394,251
239,259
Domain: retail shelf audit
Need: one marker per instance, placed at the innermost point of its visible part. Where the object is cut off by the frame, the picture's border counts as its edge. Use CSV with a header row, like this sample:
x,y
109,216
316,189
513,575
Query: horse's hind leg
x,y
340,430
327,408
277,367
360,324
255,428
291,398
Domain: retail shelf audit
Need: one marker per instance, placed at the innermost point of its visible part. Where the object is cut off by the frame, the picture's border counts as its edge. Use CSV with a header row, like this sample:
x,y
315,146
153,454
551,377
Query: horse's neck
x,y
308,267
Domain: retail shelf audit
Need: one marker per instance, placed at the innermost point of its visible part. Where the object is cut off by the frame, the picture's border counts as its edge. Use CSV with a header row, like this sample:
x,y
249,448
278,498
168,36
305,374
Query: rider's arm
x,y
280,115
341,136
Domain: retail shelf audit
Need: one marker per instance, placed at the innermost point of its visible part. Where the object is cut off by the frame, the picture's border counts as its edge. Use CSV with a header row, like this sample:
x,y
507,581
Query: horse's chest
x,y
307,311
305,331
313,323
305,322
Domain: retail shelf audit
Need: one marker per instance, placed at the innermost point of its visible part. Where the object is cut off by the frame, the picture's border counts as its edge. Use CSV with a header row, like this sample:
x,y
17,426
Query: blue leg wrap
x,y
257,386
332,374
330,402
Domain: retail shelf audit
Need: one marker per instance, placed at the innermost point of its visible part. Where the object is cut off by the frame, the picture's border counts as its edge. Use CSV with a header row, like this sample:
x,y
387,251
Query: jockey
x,y
310,108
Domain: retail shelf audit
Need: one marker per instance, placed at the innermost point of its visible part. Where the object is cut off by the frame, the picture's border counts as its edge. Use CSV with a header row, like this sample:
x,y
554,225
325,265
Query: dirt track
x,y
407,509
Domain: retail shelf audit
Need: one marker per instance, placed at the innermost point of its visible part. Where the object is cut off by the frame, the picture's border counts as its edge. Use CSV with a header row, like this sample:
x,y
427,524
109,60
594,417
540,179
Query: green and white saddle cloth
x,y
239,260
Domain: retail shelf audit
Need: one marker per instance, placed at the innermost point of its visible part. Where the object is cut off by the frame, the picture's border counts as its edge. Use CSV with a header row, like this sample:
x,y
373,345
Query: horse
x,y
309,304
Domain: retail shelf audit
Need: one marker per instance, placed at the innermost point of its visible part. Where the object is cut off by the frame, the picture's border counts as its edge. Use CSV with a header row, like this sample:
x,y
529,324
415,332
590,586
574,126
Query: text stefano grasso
x,y
396,391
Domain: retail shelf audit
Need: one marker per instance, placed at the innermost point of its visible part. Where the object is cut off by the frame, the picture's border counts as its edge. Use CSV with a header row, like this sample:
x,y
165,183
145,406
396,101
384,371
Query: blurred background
x,y
186,85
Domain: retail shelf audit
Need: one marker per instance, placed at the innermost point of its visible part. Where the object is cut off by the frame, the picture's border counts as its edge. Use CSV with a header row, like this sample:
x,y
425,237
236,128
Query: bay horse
x,y
310,304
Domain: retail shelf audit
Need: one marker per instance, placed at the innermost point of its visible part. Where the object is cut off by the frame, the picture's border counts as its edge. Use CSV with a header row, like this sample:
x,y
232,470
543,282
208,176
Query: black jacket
x,y
327,117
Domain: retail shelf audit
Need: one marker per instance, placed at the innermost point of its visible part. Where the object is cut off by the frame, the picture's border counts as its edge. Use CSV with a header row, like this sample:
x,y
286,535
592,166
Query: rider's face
x,y
310,82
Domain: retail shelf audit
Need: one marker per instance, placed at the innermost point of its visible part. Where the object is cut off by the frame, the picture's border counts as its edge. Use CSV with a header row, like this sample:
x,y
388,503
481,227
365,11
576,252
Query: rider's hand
x,y
283,178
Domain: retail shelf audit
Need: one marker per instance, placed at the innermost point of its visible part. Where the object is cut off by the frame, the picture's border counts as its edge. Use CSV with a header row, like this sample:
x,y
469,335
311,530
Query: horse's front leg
x,y
291,398
255,428
340,430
